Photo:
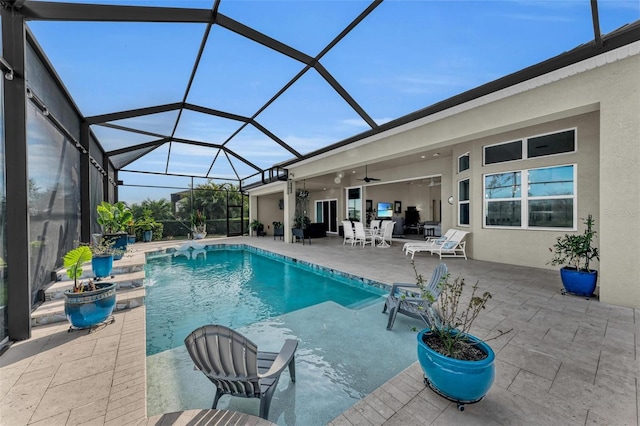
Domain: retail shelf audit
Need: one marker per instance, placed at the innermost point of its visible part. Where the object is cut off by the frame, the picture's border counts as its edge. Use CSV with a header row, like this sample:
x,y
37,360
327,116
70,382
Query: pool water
x,y
234,288
344,350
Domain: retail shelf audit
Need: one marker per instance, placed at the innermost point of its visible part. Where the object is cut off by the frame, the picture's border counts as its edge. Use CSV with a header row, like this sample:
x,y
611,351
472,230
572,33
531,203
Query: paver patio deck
x,y
567,360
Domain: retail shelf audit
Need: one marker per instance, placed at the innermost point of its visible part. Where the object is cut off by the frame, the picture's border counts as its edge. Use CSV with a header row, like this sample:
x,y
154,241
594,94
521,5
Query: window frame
x,y
466,202
468,155
525,145
525,198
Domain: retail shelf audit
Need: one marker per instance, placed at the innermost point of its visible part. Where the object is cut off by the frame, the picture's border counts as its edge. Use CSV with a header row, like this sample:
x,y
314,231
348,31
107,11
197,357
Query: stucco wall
x,y
600,98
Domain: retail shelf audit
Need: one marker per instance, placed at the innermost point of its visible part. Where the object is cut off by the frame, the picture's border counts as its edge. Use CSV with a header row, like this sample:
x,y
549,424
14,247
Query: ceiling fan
x,y
366,176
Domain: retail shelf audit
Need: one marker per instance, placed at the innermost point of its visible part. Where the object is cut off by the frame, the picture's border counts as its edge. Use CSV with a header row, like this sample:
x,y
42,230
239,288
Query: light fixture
x,y
422,156
6,69
337,180
436,154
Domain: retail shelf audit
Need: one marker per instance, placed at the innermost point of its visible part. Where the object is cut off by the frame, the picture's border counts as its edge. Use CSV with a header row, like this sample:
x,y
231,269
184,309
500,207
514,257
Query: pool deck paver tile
x,y
567,360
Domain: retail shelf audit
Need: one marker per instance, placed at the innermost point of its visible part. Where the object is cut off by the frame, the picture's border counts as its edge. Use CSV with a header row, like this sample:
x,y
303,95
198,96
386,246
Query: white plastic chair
x,y
361,236
429,246
385,236
430,241
454,247
349,236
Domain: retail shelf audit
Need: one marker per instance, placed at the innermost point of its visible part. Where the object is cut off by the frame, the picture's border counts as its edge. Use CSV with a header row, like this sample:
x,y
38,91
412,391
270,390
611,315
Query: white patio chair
x,y
431,244
429,241
361,236
454,247
349,236
384,238
375,227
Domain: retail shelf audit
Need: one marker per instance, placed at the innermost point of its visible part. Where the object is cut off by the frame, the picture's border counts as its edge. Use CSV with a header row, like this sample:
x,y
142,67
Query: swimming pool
x,y
344,349
235,287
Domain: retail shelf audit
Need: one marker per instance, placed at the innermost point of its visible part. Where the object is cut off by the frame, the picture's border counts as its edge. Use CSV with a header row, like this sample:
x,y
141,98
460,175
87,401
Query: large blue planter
x,y
581,283
102,265
459,381
90,308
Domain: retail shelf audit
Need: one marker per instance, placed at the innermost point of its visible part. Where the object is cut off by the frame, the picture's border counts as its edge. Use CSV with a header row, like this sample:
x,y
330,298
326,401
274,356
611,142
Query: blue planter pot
x,y
131,239
102,265
581,283
457,380
90,308
147,236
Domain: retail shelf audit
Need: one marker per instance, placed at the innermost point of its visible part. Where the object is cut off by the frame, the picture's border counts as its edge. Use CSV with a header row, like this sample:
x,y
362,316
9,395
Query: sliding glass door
x,y
327,213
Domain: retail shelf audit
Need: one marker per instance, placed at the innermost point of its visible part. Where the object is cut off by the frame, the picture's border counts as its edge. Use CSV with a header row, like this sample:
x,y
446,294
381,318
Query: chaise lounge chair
x,y
432,244
429,241
405,298
454,247
234,365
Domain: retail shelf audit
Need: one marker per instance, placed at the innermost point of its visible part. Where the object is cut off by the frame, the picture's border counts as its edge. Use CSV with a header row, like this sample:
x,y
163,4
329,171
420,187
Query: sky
x,y
404,56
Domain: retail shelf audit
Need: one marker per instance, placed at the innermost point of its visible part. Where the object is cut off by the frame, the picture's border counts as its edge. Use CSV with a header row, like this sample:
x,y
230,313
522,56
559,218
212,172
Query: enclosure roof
x,y
228,89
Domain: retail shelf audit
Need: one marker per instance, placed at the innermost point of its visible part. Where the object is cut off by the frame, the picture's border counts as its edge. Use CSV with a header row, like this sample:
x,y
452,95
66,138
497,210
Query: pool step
x,y
129,277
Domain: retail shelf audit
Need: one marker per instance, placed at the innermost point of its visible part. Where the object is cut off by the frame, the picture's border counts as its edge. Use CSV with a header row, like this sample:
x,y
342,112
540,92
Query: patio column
x,y
289,209
17,200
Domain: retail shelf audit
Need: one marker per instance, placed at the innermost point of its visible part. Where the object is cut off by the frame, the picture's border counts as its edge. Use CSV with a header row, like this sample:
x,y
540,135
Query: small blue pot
x,y
102,265
147,236
90,308
581,283
457,380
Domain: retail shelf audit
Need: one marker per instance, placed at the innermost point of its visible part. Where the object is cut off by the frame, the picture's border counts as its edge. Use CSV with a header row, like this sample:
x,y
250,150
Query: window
x,y
463,202
548,201
354,203
536,146
556,143
503,152
463,162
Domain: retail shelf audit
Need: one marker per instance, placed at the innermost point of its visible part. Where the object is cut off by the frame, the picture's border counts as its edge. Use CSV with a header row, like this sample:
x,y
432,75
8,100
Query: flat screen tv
x,y
385,209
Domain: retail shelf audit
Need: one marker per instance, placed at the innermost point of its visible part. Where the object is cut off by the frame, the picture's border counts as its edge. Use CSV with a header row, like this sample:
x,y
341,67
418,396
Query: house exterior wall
x,y
600,98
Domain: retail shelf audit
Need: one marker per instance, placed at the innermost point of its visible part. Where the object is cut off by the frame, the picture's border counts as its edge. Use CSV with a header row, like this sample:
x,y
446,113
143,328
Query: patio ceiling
x,y
226,90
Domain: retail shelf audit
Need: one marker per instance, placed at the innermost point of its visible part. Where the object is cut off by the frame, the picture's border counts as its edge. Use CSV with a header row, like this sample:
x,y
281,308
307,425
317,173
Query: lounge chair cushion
x,y
449,245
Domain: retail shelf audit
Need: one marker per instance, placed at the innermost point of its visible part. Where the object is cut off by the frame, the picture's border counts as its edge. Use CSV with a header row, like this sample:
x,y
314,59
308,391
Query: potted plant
x,y
575,252
300,223
146,224
131,238
258,227
199,225
456,364
278,229
86,303
102,253
114,218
